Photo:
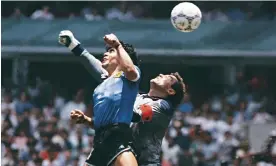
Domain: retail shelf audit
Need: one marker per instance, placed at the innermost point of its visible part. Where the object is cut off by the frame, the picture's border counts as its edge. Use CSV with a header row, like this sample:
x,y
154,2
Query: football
x,y
186,17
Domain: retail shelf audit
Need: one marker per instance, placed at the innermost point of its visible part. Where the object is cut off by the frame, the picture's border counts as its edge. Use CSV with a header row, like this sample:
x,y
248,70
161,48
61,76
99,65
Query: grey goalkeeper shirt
x,y
148,135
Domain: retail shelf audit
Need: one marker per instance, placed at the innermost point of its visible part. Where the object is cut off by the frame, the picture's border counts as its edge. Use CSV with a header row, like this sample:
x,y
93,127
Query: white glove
x,y
67,39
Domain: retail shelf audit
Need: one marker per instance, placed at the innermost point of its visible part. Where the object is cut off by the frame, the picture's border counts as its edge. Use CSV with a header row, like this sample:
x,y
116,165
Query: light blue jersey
x,y
114,99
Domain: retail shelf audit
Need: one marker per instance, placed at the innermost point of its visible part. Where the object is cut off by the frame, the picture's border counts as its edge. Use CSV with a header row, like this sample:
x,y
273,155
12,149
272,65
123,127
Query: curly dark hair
x,y
131,52
179,88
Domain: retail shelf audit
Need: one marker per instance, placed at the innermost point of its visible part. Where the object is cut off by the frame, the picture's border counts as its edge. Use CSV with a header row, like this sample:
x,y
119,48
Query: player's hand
x,y
111,40
67,39
146,113
77,116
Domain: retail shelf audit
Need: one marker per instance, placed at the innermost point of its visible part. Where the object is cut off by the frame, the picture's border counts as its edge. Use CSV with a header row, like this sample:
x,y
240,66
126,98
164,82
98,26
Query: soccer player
x,y
113,100
152,114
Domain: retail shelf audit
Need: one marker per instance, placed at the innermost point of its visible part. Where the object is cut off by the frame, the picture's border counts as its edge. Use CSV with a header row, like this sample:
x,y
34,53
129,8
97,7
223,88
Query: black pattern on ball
x,y
189,19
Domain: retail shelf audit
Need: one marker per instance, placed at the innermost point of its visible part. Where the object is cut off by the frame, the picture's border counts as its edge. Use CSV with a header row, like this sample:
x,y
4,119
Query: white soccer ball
x,y
186,17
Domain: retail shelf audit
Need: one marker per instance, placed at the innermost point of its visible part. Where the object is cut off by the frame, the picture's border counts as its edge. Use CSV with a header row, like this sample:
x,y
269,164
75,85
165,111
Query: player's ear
x,y
171,91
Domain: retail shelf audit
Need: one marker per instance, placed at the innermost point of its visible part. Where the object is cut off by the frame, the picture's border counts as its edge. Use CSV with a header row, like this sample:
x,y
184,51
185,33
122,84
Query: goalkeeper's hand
x,y
67,39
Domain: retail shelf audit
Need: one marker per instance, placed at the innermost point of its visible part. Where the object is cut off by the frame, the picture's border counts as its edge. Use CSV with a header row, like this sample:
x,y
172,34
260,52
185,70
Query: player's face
x,y
165,83
110,58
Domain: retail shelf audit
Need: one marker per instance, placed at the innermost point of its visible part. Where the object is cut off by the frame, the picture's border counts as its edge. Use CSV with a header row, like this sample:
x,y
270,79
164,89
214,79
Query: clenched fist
x,y
77,116
111,40
67,39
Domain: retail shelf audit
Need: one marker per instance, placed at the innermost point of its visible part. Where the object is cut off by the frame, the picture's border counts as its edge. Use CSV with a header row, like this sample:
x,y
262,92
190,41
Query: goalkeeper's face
x,y
164,83
109,60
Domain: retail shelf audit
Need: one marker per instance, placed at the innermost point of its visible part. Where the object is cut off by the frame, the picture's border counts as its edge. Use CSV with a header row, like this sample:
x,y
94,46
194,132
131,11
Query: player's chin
x,y
104,65
154,82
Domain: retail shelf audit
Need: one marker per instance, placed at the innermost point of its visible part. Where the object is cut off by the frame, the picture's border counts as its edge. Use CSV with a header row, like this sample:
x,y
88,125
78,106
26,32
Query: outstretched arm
x,y
67,39
94,62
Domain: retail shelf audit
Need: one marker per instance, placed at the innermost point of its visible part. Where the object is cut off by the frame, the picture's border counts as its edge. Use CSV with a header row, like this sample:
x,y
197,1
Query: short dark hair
x,y
131,52
180,90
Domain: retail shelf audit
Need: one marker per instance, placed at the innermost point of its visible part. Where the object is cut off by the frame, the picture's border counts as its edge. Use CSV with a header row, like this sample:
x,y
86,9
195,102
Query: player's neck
x,y
156,93
113,72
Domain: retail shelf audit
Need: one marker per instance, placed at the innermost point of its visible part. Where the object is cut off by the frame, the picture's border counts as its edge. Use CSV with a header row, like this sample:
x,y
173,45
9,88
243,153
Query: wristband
x,y
78,50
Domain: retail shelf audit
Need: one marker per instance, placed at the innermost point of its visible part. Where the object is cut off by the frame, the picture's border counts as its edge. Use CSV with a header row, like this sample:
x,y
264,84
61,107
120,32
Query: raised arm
x,y
94,62
126,64
131,72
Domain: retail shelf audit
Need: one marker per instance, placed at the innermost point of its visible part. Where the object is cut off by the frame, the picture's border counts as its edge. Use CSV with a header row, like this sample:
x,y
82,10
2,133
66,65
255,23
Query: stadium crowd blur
x,y
35,123
36,126
227,11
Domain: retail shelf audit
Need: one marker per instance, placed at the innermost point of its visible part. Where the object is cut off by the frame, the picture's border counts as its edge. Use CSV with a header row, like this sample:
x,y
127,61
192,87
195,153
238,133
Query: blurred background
x,y
228,65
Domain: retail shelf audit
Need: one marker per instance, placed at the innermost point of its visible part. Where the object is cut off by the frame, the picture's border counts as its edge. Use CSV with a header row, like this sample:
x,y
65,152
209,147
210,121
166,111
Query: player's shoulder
x,y
139,95
163,104
162,107
155,102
